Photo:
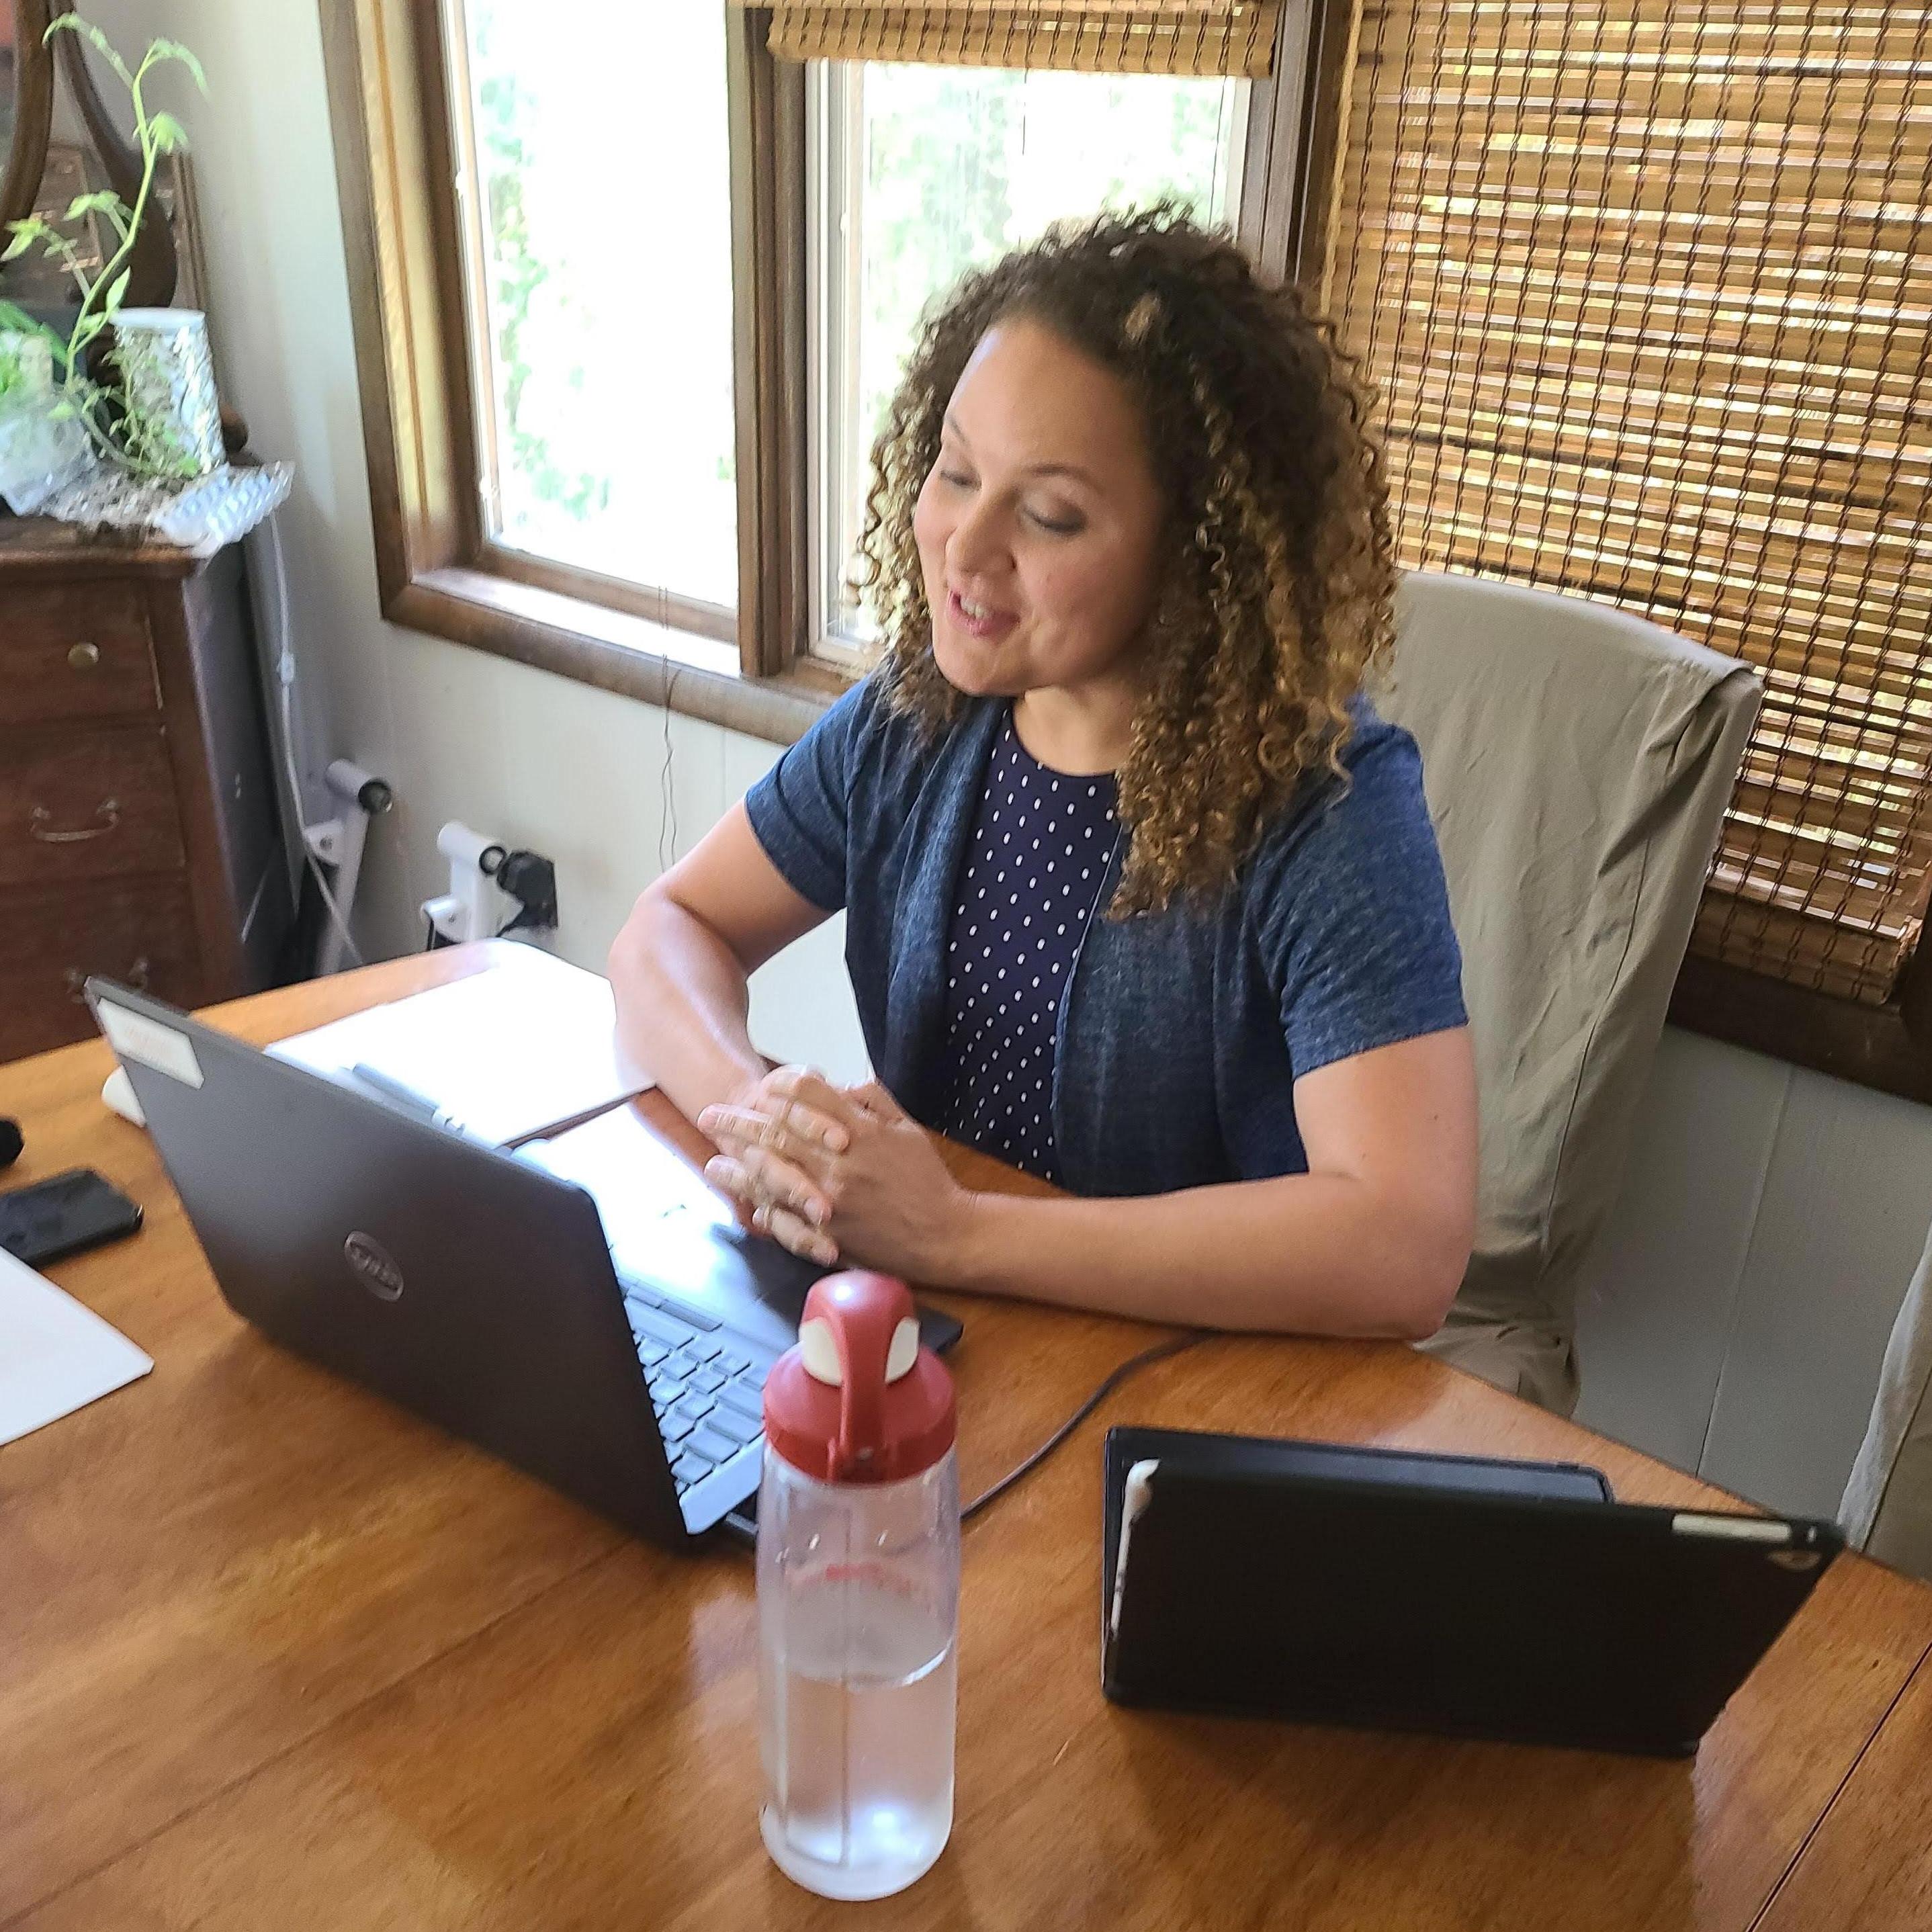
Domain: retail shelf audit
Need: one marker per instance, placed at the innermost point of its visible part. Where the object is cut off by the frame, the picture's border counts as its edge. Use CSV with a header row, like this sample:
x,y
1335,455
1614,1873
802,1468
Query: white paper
x,y
55,1356
506,1054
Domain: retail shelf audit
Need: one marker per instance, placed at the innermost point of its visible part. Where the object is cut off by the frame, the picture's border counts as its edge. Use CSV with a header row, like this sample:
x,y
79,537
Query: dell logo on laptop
x,y
374,1266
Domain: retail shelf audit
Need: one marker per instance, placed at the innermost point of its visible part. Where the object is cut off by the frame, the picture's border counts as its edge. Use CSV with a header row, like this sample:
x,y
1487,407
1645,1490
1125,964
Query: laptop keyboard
x,y
707,1388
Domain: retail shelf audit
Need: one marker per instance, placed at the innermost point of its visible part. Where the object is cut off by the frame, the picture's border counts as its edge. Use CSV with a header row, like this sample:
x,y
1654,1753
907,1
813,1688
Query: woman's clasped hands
x,y
837,1173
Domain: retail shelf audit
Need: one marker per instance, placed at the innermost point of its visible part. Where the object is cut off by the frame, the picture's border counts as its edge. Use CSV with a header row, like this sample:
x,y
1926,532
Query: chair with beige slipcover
x,y
1577,761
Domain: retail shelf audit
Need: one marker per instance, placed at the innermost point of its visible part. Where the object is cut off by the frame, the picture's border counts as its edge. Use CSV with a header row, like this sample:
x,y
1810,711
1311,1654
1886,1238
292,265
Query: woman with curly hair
x,y
1140,894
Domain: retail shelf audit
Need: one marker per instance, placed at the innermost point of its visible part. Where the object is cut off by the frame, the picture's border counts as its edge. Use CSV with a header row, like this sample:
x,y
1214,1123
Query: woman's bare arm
x,y
681,964
1373,1240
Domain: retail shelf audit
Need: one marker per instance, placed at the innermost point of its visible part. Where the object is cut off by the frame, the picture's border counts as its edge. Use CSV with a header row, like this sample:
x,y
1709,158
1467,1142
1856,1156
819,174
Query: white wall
x,y
1735,1313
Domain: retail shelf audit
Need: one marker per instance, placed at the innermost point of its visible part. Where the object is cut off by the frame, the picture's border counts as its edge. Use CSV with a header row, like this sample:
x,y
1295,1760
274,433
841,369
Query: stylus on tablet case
x,y
1137,1494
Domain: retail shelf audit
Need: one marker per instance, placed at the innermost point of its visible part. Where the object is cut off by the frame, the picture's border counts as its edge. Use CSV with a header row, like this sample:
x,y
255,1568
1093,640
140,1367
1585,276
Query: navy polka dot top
x,y
1033,873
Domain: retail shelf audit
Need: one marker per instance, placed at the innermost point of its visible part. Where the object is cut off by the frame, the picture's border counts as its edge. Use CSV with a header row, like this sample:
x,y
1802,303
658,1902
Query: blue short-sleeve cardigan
x,y
1183,1032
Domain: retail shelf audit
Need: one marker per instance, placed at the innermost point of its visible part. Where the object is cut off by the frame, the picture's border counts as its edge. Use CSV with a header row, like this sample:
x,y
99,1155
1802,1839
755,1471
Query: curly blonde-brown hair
x,y
1277,587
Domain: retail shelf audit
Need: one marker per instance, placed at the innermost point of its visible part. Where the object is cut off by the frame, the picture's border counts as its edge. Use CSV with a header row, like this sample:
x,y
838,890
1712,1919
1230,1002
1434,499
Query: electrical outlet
x,y
530,879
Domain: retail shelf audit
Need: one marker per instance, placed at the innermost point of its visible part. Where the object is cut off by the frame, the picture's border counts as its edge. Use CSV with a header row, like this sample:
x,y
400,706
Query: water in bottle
x,y
858,1596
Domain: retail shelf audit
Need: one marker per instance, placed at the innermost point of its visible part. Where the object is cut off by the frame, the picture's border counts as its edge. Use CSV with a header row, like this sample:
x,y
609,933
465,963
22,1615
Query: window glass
x,y
599,258
928,171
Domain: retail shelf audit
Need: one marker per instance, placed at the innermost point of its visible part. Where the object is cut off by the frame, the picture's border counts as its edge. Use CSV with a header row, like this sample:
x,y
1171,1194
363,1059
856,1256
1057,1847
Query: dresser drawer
x,y
141,933
86,804
74,650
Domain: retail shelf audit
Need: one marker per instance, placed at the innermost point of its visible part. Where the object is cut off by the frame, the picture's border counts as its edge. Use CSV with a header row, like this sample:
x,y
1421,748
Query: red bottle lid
x,y
858,1399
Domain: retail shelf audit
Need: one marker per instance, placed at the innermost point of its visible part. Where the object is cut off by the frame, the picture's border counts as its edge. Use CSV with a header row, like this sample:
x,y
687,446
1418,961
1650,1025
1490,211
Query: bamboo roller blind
x,y
1646,287
1172,37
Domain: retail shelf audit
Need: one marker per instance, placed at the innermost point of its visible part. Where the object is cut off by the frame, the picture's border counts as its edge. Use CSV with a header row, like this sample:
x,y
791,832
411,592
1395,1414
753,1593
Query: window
x,y
1645,291
597,273
922,172
632,285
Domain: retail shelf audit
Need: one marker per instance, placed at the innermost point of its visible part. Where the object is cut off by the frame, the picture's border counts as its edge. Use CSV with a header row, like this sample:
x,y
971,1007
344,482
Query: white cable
x,y
285,678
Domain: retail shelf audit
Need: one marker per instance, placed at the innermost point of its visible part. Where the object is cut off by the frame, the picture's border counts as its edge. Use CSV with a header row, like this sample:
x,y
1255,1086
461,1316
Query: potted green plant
x,y
40,450
132,412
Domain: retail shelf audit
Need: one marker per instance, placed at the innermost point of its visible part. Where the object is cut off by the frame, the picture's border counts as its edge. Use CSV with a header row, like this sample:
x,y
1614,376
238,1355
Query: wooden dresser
x,y
139,831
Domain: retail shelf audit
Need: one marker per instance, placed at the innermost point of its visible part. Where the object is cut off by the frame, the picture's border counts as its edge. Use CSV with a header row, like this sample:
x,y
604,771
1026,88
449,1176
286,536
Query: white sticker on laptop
x,y
135,1036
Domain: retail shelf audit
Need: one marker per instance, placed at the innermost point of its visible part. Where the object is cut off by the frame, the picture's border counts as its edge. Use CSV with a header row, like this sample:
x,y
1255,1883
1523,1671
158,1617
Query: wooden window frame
x,y
1887,1047
831,160
437,570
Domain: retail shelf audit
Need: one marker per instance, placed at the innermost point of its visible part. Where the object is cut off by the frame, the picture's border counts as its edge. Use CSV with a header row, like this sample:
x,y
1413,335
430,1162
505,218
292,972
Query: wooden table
x,y
274,1653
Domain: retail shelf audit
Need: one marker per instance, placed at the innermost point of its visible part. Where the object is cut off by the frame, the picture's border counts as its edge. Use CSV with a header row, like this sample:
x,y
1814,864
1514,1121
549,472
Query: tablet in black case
x,y
1473,1596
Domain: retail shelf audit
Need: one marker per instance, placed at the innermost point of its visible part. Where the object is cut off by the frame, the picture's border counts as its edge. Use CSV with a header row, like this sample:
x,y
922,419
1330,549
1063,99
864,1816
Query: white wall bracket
x,y
472,908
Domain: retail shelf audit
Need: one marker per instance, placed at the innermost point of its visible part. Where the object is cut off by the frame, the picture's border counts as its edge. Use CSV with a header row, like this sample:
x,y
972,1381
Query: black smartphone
x,y
63,1214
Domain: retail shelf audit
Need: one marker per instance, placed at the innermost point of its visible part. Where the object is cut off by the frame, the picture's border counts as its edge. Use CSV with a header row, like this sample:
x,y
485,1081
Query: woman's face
x,y
1037,526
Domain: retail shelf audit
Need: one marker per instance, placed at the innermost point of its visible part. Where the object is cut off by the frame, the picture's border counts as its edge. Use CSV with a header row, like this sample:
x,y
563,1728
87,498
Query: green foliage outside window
x,y
604,220
516,273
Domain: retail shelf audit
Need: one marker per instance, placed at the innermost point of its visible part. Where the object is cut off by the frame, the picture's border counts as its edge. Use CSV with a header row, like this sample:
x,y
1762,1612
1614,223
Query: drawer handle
x,y
136,976
84,657
108,812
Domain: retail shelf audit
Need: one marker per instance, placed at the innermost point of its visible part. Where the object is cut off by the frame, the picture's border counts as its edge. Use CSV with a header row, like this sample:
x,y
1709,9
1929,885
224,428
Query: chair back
x,y
1887,1511
1577,761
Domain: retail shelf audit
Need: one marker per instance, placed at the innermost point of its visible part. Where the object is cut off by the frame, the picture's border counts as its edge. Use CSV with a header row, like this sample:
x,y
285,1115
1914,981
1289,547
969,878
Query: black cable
x,y
741,1524
1159,1352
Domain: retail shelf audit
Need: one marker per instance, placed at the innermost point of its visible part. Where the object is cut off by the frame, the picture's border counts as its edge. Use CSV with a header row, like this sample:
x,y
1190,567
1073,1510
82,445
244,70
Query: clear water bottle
x,y
858,1595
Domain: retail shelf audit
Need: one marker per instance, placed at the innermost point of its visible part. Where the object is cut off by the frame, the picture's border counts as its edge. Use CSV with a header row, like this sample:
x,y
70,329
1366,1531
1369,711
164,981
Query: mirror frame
x,y
21,170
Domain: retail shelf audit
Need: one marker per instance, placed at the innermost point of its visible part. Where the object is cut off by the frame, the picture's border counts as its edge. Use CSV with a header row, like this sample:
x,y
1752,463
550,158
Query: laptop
x,y
474,1287
1472,1596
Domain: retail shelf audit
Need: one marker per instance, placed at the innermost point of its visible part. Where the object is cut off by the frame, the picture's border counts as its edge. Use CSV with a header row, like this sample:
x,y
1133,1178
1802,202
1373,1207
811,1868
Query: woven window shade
x,y
1645,288
1170,36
